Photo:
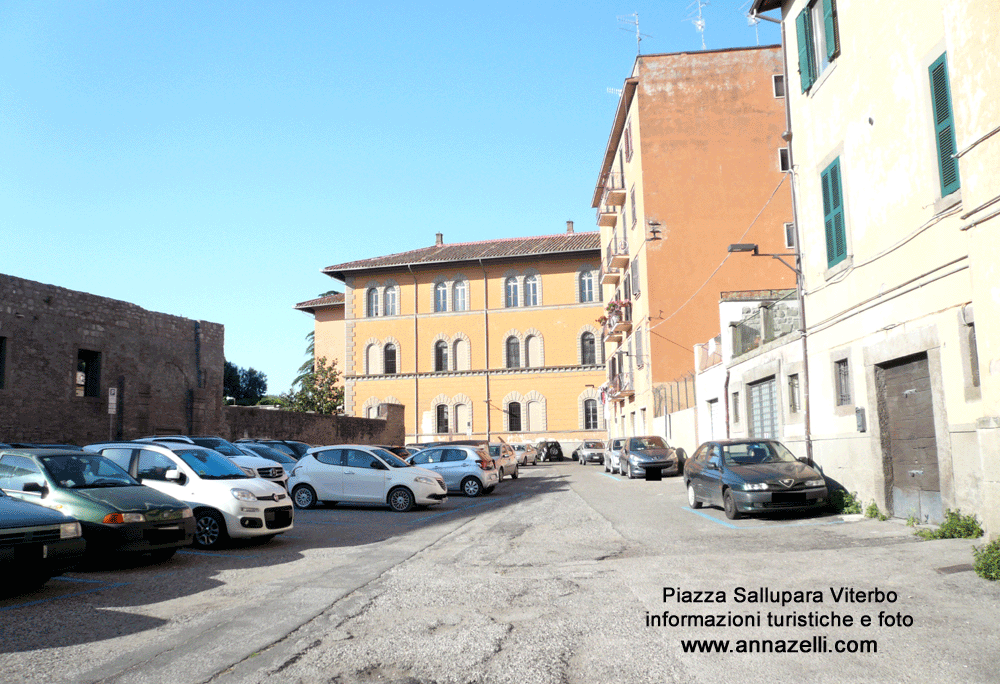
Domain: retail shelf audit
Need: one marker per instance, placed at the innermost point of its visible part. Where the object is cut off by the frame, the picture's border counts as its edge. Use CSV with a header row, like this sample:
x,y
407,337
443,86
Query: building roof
x,y
506,248
310,306
764,6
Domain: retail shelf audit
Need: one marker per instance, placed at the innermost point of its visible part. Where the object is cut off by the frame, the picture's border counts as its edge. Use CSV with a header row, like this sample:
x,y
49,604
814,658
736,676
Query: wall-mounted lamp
x,y
754,251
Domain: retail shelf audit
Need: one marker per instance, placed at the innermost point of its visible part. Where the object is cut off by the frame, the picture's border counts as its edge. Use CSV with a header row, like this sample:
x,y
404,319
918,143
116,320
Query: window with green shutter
x,y
833,214
944,125
818,36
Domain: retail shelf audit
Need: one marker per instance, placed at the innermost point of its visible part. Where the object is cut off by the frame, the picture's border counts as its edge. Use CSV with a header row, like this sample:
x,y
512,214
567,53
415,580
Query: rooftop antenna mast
x,y
699,20
752,20
633,20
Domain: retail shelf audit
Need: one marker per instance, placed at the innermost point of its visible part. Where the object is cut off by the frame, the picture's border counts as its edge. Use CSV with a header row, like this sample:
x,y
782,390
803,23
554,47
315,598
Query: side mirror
x,y
712,465
174,474
40,488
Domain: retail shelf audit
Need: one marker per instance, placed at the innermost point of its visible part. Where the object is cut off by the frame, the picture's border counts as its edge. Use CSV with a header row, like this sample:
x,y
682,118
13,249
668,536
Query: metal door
x,y
763,409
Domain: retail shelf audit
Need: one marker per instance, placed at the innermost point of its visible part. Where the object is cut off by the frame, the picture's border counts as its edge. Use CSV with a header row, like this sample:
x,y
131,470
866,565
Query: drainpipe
x,y
416,359
486,338
725,398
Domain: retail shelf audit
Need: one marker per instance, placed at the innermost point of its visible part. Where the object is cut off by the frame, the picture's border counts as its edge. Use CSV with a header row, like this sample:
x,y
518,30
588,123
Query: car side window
x,y
330,457
359,459
120,457
699,455
153,466
453,455
16,470
715,455
430,456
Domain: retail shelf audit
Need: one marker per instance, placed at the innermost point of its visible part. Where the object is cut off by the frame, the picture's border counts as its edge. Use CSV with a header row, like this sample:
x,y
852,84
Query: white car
x,y
365,474
227,502
254,466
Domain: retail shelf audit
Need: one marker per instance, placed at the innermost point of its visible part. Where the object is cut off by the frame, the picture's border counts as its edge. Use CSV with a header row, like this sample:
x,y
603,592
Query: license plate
x,y
788,497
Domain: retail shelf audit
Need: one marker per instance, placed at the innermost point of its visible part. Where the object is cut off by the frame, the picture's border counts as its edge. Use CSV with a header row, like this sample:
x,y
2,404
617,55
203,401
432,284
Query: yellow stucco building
x,y
477,340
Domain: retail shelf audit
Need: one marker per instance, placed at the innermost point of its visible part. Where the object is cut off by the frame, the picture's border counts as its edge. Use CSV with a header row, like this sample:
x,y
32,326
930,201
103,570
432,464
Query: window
x,y
531,291
440,297
510,292
442,419
462,423
536,416
371,359
944,125
371,303
794,395
440,356
736,407
389,308
588,351
843,382
461,357
778,80
153,466
532,351
790,235
513,352
513,417
590,414
784,161
635,214
359,459
639,358
833,214
818,40
88,373
634,267
973,355
460,296
628,141
389,359
586,286
3,360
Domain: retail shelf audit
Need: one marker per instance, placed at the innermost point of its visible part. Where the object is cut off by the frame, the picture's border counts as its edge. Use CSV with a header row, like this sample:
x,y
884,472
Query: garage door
x,y
763,409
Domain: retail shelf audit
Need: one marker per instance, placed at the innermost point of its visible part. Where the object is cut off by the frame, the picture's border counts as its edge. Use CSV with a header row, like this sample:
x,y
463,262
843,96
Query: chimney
x,y
569,226
439,238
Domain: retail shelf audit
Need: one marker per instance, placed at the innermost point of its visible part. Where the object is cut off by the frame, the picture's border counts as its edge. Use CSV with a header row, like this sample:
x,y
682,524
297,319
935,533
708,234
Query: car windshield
x,y
85,471
217,444
752,453
593,445
391,459
643,443
270,453
495,450
210,465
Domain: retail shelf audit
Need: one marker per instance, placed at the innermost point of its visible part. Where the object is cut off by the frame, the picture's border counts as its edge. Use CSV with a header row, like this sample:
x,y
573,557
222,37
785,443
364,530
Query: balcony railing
x,y
708,354
616,254
768,323
607,215
621,385
610,276
614,189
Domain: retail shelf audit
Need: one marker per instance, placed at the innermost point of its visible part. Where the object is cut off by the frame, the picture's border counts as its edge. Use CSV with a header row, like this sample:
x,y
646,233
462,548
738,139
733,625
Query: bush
x,y
988,560
873,512
272,400
955,526
844,501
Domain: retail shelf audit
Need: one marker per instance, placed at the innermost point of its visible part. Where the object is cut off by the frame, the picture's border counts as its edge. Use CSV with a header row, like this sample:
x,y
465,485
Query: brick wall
x,y
259,423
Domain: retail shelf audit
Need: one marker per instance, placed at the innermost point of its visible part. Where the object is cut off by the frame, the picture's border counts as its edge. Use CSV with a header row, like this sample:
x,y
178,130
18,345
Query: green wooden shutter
x,y
803,33
944,125
830,28
833,214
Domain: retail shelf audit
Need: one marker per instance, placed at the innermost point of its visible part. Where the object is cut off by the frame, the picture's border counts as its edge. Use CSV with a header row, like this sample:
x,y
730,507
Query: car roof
x,y
138,443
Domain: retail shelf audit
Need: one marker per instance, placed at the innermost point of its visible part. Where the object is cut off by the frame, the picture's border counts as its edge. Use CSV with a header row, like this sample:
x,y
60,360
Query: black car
x,y
549,450
36,543
752,476
294,449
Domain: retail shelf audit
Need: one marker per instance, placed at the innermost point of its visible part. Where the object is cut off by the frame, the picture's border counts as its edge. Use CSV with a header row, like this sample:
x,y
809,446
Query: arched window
x,y
440,356
440,297
590,414
371,359
461,358
531,291
514,417
442,419
462,419
536,416
389,359
460,296
588,350
586,286
389,305
532,351
372,302
513,352
511,298
371,412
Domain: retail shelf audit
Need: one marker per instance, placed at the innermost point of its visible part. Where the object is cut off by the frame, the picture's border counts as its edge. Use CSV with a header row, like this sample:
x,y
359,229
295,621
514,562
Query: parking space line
x,y
758,527
611,476
64,578
706,516
64,596
209,553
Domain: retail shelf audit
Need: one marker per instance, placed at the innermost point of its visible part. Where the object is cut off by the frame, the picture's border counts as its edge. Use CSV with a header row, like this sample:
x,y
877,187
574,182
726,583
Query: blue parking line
x,y
611,476
464,508
757,527
209,553
65,596
706,516
63,578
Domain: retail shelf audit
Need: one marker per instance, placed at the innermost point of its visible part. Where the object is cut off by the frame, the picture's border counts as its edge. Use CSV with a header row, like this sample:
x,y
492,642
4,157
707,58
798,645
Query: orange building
x,y
695,162
477,339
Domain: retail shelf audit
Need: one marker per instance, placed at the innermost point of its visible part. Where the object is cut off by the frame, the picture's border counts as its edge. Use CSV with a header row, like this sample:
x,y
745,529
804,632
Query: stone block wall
x,y
259,423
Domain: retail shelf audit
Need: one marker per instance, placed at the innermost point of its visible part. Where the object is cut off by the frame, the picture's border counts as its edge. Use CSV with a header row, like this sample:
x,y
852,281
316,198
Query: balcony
x,y
620,316
607,216
621,386
769,322
610,276
611,331
616,254
614,189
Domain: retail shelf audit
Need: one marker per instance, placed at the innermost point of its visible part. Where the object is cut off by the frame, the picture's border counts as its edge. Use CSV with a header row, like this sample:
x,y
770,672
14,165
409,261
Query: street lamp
x,y
753,249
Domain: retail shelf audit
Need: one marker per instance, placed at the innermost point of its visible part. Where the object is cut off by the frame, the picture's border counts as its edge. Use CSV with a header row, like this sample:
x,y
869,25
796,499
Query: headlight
x,y
243,495
424,480
120,518
755,486
187,513
70,530
815,483
249,472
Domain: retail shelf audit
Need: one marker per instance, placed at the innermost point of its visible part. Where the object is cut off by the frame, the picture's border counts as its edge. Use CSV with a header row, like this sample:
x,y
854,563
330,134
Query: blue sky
x,y
208,159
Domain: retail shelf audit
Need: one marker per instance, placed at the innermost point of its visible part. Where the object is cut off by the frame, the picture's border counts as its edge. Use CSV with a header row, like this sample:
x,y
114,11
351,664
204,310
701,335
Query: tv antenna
x,y
633,20
752,20
699,20
615,91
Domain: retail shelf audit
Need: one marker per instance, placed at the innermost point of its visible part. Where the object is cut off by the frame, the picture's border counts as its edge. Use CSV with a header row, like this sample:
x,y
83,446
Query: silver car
x,y
613,454
591,450
468,469
525,454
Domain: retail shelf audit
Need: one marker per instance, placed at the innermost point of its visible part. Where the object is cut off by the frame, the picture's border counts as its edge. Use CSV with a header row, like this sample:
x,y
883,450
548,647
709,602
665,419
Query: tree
x,y
245,385
318,391
307,366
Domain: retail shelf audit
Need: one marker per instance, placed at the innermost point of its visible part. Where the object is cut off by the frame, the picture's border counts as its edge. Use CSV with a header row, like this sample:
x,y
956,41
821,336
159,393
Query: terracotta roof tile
x,y
335,299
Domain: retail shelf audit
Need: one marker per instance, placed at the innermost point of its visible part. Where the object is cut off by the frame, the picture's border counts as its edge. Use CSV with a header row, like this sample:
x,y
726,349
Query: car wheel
x,y
681,459
304,496
210,529
514,474
401,499
472,487
628,471
692,499
729,504
500,474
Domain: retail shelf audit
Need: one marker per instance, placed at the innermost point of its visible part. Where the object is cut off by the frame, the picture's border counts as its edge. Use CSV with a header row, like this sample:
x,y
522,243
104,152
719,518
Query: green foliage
x,y
912,521
272,400
245,385
987,563
318,391
955,526
872,511
844,501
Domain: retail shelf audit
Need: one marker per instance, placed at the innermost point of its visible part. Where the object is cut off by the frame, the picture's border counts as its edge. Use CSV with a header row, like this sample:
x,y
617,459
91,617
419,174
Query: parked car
x,y
400,451
35,445
36,543
366,474
650,452
591,450
549,450
268,452
254,466
465,468
752,476
613,455
227,503
287,446
117,513
525,454
506,460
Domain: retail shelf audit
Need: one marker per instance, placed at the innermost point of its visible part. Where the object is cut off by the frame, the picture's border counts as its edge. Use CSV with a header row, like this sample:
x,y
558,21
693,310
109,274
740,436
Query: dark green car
x,y
118,514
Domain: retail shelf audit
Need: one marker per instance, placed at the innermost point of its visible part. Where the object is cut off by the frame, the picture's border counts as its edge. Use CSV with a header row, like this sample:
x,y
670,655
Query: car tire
x,y
209,529
628,471
514,474
472,487
500,475
401,499
692,499
681,459
304,496
729,504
